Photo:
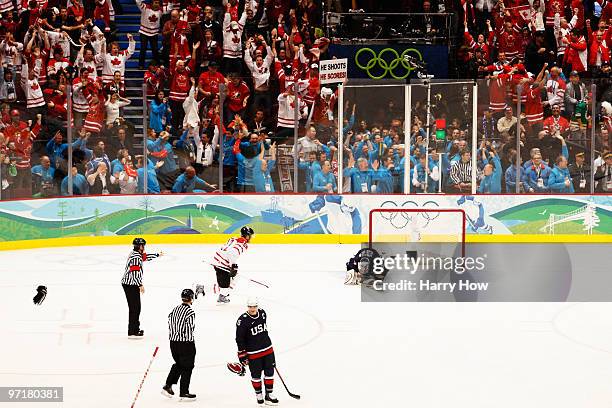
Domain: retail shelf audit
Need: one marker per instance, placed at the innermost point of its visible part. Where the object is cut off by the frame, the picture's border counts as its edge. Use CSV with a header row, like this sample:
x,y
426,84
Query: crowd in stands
x,y
225,80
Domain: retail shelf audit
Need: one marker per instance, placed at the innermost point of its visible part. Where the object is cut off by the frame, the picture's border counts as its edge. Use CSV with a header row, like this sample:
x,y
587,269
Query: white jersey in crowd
x,y
149,19
229,253
32,89
286,110
112,63
261,75
79,101
232,41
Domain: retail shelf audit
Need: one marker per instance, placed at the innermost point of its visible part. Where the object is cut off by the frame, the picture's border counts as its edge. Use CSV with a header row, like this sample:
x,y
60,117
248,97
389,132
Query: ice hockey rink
x,y
332,349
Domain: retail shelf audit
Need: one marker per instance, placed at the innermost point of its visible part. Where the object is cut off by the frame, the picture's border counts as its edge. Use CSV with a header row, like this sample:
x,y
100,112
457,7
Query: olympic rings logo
x,y
386,67
400,220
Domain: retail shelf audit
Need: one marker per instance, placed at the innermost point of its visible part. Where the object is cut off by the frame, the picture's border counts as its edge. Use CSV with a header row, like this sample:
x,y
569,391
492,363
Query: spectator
x,y
560,180
510,175
556,124
237,97
180,84
115,59
491,182
575,93
43,179
113,105
579,173
100,181
260,71
147,173
507,123
536,176
159,112
324,181
126,177
150,18
232,41
603,175
188,182
426,175
262,180
154,78
80,186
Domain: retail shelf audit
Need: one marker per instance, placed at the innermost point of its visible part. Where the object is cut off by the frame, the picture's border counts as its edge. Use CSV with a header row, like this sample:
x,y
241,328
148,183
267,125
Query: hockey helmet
x,y
139,241
187,294
246,230
252,302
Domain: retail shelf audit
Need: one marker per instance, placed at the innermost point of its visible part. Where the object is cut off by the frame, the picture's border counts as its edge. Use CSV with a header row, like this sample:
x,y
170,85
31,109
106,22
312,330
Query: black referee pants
x,y
183,353
132,294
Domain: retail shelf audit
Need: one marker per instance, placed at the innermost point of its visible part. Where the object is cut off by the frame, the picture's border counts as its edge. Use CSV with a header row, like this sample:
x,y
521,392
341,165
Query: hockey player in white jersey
x,y
225,262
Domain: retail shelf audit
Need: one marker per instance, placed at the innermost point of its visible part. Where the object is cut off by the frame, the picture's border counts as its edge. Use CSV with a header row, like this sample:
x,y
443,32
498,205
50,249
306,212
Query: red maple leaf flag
x,y
525,12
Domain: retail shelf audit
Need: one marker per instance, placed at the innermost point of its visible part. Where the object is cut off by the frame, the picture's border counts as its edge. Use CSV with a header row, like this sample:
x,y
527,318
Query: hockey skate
x,y
223,299
136,336
260,398
167,391
271,399
187,398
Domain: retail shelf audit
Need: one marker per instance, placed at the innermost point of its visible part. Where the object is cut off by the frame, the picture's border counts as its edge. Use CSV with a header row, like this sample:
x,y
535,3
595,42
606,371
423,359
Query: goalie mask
x,y
361,267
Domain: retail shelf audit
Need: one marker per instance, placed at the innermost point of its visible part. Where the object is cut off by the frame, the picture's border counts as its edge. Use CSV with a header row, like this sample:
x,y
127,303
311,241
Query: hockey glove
x,y
41,294
234,270
236,368
243,358
199,290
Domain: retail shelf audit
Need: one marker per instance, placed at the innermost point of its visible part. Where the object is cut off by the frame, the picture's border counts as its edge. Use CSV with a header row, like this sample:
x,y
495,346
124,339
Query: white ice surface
x,y
332,349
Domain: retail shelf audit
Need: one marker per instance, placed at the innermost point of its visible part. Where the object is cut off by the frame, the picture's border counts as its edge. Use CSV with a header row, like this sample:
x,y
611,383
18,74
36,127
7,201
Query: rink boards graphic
x,y
292,218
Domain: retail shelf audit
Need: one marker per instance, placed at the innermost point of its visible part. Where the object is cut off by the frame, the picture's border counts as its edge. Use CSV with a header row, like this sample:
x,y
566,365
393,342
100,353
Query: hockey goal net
x,y
421,227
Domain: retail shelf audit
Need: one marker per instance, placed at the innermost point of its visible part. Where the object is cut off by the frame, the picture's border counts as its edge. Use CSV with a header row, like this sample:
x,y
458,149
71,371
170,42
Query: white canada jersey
x,y
229,253
111,63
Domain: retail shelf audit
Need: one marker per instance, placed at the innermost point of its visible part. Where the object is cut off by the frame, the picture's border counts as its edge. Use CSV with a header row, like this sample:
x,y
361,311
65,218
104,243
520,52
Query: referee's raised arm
x,y
181,325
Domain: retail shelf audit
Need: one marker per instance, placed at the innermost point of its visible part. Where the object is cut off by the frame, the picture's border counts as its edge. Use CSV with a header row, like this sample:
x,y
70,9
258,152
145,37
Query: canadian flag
x,y
526,12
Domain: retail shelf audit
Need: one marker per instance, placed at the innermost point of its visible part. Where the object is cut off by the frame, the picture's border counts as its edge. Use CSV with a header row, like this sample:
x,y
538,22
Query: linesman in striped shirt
x,y
181,325
132,284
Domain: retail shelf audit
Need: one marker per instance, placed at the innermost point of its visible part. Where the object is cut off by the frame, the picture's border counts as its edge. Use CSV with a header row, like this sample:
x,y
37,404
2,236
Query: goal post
x,y
422,227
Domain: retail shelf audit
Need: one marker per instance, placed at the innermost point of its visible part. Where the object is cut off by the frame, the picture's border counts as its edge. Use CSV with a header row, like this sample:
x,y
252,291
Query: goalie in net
x,y
438,232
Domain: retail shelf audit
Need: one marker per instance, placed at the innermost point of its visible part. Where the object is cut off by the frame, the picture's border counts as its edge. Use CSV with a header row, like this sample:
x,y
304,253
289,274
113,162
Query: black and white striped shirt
x,y
461,172
133,268
181,323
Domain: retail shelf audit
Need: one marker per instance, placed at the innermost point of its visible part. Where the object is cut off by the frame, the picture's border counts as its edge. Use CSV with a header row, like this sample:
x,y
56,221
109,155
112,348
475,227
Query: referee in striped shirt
x,y
132,284
461,172
181,325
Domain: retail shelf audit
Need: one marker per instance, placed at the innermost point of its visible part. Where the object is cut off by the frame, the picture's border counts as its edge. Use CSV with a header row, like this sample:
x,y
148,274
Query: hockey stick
x,y
240,276
285,385
259,283
145,376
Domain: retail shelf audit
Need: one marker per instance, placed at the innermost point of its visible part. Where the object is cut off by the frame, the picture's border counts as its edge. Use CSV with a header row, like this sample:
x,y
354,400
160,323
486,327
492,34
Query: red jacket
x,y
236,96
23,145
596,46
180,83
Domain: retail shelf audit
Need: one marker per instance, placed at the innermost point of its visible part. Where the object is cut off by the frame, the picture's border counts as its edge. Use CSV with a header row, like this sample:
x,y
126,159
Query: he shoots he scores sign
x,y
331,71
